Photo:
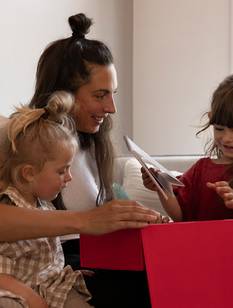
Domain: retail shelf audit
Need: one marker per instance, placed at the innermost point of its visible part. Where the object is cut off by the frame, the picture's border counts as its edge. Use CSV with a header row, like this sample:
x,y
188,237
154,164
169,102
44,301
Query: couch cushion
x,y
172,162
127,173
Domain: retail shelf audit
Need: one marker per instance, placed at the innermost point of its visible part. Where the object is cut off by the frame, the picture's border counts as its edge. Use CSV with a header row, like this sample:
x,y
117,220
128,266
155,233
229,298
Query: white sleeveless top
x,y
82,191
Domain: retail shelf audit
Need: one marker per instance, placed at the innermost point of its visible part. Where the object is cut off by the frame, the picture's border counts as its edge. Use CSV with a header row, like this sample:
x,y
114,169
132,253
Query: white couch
x,y
127,173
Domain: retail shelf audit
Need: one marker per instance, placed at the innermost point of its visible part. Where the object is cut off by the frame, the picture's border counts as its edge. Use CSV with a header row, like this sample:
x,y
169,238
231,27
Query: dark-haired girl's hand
x,y
224,190
147,181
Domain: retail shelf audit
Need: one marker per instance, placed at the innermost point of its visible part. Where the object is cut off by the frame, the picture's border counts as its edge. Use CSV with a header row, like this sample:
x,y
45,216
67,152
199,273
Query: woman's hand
x,y
116,215
224,190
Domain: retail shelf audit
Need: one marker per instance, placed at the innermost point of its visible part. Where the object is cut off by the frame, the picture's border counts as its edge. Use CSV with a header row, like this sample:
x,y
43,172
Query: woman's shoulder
x,y
84,163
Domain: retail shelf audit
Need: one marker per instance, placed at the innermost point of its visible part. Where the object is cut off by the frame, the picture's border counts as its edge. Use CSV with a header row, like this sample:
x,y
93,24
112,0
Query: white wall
x,y
177,52
182,50
27,26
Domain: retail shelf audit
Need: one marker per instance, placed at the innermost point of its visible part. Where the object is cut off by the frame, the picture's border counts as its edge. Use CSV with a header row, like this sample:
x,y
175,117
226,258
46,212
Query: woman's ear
x,y
28,172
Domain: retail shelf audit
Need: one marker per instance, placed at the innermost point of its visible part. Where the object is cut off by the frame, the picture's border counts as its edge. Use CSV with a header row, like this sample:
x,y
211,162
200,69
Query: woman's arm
x,y
20,223
17,287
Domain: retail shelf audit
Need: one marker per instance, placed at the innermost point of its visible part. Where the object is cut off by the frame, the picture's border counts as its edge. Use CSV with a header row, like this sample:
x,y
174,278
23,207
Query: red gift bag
x,y
121,250
189,265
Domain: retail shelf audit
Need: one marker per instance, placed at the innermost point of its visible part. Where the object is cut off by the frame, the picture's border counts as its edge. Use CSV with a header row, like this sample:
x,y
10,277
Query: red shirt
x,y
197,201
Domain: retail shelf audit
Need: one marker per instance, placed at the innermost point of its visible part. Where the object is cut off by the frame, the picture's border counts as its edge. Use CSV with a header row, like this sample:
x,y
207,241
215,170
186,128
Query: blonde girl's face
x,y
94,101
223,137
55,174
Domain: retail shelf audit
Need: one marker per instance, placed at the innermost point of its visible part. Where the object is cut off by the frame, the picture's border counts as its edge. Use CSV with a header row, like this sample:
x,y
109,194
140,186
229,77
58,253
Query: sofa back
x,y
178,163
127,173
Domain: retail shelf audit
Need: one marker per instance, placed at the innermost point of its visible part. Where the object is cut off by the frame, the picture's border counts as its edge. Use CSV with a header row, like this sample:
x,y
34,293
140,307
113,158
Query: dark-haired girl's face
x,y
223,137
94,101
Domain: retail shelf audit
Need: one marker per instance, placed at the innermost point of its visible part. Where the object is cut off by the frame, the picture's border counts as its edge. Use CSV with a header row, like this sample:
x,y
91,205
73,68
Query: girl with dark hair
x,y
207,194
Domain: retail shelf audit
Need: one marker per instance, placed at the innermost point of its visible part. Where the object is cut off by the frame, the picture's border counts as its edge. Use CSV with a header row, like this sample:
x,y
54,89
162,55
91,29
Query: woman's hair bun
x,y
80,25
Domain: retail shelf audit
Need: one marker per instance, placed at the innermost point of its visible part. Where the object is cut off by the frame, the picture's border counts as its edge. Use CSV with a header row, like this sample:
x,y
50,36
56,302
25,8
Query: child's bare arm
x,y
170,204
17,287
224,190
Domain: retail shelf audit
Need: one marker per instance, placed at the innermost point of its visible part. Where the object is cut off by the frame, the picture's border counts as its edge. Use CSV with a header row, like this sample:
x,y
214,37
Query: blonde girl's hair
x,y
33,136
221,112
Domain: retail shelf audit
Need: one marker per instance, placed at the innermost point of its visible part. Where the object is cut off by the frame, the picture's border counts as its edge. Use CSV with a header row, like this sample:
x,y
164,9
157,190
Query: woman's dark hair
x,y
65,65
221,112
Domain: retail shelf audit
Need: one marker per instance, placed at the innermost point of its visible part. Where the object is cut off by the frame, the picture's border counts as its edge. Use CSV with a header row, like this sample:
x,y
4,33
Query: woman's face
x,y
94,101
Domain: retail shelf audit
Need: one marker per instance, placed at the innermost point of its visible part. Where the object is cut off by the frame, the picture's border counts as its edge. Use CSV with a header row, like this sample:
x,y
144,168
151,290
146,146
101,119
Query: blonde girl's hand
x,y
116,215
147,182
224,190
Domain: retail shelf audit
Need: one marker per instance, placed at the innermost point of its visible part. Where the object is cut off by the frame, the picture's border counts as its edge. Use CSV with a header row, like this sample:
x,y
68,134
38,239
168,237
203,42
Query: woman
x,y
85,68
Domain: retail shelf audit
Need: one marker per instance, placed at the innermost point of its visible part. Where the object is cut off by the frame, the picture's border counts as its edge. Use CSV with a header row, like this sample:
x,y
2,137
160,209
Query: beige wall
x,y
170,55
27,26
182,49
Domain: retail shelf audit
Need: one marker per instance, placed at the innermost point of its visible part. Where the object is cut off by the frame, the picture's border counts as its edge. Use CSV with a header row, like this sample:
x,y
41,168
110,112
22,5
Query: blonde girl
x,y
38,148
